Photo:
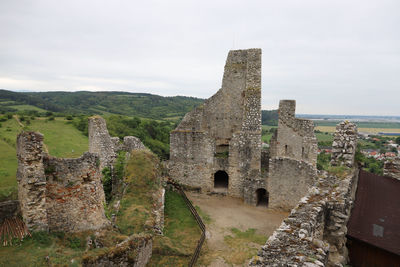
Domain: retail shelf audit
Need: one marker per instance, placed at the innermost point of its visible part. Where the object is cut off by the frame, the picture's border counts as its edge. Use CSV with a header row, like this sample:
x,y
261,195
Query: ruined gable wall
x,y
232,119
31,180
100,141
74,194
58,194
289,180
295,137
344,144
314,234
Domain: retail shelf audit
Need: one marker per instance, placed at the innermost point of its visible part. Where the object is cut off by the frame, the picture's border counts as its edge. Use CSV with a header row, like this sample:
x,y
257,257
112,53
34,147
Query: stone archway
x,y
221,180
262,197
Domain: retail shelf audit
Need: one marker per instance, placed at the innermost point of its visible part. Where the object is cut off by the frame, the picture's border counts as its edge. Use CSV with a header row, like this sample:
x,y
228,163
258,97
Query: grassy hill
x,y
73,144
103,103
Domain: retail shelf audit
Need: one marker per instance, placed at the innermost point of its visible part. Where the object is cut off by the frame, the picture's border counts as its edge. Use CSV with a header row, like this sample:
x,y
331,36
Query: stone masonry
x,y
392,168
295,137
293,152
107,147
58,194
289,180
223,135
344,144
314,234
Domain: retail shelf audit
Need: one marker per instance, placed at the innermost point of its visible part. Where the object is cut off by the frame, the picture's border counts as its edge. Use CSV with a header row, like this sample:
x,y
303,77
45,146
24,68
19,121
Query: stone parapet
x,y
344,144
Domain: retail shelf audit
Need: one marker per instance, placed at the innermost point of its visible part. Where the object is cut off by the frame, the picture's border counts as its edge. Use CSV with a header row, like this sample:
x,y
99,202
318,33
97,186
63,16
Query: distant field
x,y
61,139
26,107
378,125
331,129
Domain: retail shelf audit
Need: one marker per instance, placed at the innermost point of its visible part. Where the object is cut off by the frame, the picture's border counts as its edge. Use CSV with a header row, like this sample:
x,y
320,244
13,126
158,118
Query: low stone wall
x,y
9,209
314,234
392,168
74,194
288,181
135,251
344,144
58,194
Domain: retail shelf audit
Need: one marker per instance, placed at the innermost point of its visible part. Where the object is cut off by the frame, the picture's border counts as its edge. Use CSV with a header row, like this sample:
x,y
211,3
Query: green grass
x,y
26,107
142,177
240,243
324,136
181,234
62,250
61,139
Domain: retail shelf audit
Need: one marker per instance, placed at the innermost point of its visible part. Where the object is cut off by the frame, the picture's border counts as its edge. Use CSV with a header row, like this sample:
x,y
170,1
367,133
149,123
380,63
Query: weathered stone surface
x,y
74,194
9,209
132,143
344,144
295,137
135,251
223,134
314,234
58,194
288,181
392,168
100,141
31,180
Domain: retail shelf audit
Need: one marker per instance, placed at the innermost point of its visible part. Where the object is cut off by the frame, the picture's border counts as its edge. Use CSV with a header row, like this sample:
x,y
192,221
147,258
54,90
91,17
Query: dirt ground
x,y
226,213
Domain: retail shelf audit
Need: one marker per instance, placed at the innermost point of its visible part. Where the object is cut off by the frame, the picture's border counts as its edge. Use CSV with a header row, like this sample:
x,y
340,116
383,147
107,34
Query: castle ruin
x,y
217,146
58,194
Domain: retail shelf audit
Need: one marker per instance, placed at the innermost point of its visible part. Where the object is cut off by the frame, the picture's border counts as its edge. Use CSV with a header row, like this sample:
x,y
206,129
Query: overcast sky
x,y
332,57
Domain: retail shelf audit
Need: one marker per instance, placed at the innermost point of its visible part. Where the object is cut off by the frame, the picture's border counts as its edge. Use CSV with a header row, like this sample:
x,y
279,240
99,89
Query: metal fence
x,y
196,216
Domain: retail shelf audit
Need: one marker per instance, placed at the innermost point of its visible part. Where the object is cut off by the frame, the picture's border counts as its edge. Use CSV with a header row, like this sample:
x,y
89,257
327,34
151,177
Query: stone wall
x,y
288,181
344,144
135,251
314,234
224,133
392,168
74,194
107,147
58,194
100,141
32,180
294,137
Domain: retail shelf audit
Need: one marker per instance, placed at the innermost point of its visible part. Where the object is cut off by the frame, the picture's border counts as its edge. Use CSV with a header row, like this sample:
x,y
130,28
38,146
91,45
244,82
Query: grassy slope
x,y
61,139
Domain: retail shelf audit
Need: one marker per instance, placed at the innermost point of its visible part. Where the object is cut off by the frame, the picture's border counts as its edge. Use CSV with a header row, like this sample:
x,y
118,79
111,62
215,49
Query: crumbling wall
x,y
58,194
100,141
344,144
135,251
74,194
314,234
392,168
223,134
294,137
32,181
288,181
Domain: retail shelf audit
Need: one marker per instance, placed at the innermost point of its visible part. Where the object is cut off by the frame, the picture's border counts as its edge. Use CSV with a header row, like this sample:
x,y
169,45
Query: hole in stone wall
x,y
221,179
262,197
286,149
302,152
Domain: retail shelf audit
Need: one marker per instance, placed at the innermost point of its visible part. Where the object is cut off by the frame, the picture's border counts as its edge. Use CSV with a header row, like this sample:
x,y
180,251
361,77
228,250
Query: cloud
x,y
331,56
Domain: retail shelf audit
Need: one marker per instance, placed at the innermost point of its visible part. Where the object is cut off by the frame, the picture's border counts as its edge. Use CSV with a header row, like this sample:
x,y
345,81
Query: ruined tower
x,y
295,137
217,146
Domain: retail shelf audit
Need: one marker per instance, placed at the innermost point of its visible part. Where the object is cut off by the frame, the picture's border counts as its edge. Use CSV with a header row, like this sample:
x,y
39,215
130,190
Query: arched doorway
x,y
221,180
262,197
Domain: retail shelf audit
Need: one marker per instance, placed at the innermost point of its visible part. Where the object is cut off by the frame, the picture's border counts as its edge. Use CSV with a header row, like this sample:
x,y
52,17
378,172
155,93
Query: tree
x,y
398,140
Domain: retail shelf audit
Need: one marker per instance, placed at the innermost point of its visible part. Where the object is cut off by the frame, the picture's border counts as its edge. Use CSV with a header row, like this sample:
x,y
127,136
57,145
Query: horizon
x,y
297,114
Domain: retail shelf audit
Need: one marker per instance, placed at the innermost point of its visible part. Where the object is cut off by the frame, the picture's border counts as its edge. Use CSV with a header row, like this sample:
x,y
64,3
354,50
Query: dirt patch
x,y
227,213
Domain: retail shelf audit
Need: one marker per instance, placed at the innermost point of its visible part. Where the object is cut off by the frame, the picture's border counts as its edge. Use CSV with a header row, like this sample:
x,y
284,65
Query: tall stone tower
x,y
217,146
